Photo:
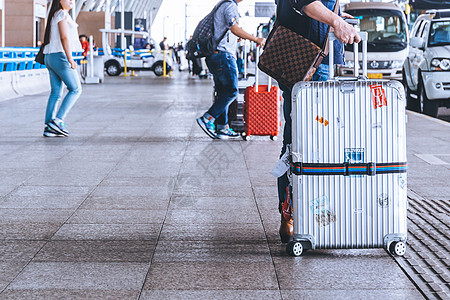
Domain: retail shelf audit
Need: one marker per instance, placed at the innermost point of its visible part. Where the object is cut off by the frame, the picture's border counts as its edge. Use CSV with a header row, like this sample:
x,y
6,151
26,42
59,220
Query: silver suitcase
x,y
348,166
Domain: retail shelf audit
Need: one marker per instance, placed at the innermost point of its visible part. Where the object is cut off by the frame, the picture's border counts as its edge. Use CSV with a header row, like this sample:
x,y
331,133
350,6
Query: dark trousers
x,y
283,181
224,69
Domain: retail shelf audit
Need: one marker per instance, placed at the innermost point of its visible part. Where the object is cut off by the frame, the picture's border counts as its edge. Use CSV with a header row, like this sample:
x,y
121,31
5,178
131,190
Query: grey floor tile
x,y
217,294
160,181
84,216
132,191
214,191
80,179
211,276
204,149
265,191
234,232
13,251
212,251
71,294
263,179
114,232
64,193
6,189
369,294
9,271
42,202
96,251
430,191
80,276
216,242
212,203
126,203
363,271
28,231
206,217
33,215
127,170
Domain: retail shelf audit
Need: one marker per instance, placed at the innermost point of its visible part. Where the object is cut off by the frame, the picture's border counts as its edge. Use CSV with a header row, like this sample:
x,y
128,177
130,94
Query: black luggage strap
x,y
347,169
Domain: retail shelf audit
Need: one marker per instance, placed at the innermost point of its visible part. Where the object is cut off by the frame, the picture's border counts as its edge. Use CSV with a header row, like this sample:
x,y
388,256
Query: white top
x,y
55,44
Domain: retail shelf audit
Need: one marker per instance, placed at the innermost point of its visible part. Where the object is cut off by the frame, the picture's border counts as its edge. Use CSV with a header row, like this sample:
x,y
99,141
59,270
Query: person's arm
x,y
343,31
239,32
65,41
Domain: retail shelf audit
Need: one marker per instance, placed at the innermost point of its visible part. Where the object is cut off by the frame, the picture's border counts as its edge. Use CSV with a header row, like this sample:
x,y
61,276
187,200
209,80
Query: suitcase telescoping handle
x,y
363,35
258,53
245,59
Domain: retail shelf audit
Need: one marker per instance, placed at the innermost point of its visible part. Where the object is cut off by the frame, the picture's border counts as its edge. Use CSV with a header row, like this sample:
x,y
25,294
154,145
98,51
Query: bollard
x,y
125,63
164,64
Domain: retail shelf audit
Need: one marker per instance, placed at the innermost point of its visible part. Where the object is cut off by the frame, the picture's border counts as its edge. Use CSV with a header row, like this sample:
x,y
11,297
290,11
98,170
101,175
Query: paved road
x,y
444,114
139,203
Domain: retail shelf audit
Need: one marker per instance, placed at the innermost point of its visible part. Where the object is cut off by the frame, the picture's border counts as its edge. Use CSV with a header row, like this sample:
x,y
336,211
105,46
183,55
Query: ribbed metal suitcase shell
x,y
334,121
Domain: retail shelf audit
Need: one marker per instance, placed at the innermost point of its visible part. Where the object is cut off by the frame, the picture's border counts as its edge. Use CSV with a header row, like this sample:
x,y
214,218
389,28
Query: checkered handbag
x,y
289,57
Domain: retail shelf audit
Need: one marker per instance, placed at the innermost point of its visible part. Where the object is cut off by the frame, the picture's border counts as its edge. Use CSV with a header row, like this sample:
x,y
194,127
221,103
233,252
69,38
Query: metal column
x,y
122,23
3,21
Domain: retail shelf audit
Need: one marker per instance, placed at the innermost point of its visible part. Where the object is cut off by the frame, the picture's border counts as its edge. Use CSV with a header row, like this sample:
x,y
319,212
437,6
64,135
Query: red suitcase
x,y
261,109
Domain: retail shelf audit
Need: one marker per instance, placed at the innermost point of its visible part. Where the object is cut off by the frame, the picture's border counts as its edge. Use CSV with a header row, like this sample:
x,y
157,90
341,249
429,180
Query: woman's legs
x,y
60,70
55,95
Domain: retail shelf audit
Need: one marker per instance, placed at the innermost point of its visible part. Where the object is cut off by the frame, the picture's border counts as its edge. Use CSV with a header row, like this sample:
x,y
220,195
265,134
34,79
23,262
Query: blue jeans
x,y
224,69
60,71
283,181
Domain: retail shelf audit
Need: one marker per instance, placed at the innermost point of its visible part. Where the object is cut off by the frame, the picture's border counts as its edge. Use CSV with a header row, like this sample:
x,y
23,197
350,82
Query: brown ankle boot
x,y
286,229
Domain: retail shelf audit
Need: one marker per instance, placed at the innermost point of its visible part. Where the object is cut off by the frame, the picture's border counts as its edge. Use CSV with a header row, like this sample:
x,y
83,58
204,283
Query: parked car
x,y
388,37
426,72
141,60
138,61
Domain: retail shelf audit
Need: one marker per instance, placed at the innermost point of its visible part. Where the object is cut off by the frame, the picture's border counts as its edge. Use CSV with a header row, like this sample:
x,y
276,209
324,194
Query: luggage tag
x,y
283,164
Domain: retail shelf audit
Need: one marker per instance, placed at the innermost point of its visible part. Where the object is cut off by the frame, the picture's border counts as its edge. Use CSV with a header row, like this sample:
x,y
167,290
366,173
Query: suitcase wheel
x,y
397,248
294,248
245,137
273,137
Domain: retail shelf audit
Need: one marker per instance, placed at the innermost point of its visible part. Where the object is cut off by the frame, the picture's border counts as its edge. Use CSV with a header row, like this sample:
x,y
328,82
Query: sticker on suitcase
x,y
378,95
354,155
384,201
321,120
402,181
321,210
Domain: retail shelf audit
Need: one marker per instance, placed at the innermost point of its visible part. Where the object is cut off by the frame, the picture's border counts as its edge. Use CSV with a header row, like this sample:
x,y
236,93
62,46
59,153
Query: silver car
x,y
426,72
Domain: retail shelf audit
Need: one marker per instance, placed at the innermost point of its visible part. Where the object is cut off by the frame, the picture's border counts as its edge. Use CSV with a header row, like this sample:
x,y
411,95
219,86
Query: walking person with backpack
x,y
61,39
216,39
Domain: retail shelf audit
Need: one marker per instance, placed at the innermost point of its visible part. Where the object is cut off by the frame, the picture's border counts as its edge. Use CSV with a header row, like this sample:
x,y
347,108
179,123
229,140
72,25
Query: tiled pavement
x,y
139,203
428,260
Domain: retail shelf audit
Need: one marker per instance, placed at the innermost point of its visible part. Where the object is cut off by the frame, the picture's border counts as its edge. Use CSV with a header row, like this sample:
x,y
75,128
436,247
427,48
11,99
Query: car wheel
x,y
429,107
158,68
113,68
412,103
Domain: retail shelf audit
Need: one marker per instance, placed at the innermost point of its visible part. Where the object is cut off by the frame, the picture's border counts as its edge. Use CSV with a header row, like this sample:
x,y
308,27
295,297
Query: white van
x,y
388,39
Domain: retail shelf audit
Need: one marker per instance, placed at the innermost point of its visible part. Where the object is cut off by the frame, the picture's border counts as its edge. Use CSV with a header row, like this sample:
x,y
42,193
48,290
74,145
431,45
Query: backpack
x,y
203,42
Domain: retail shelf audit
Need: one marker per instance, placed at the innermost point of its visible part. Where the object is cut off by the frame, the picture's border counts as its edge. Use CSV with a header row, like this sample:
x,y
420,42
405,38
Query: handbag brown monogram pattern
x,y
289,58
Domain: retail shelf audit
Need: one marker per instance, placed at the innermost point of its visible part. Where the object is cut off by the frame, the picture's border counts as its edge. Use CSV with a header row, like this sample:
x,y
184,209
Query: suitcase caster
x,y
294,248
397,248
273,137
245,137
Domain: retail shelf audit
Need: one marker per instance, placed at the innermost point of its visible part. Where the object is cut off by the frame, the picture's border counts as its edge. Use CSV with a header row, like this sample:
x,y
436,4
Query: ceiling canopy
x,y
140,8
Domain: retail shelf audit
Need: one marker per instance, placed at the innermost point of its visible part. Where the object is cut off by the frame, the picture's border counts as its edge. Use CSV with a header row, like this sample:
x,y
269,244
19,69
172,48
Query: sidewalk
x,y
140,204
